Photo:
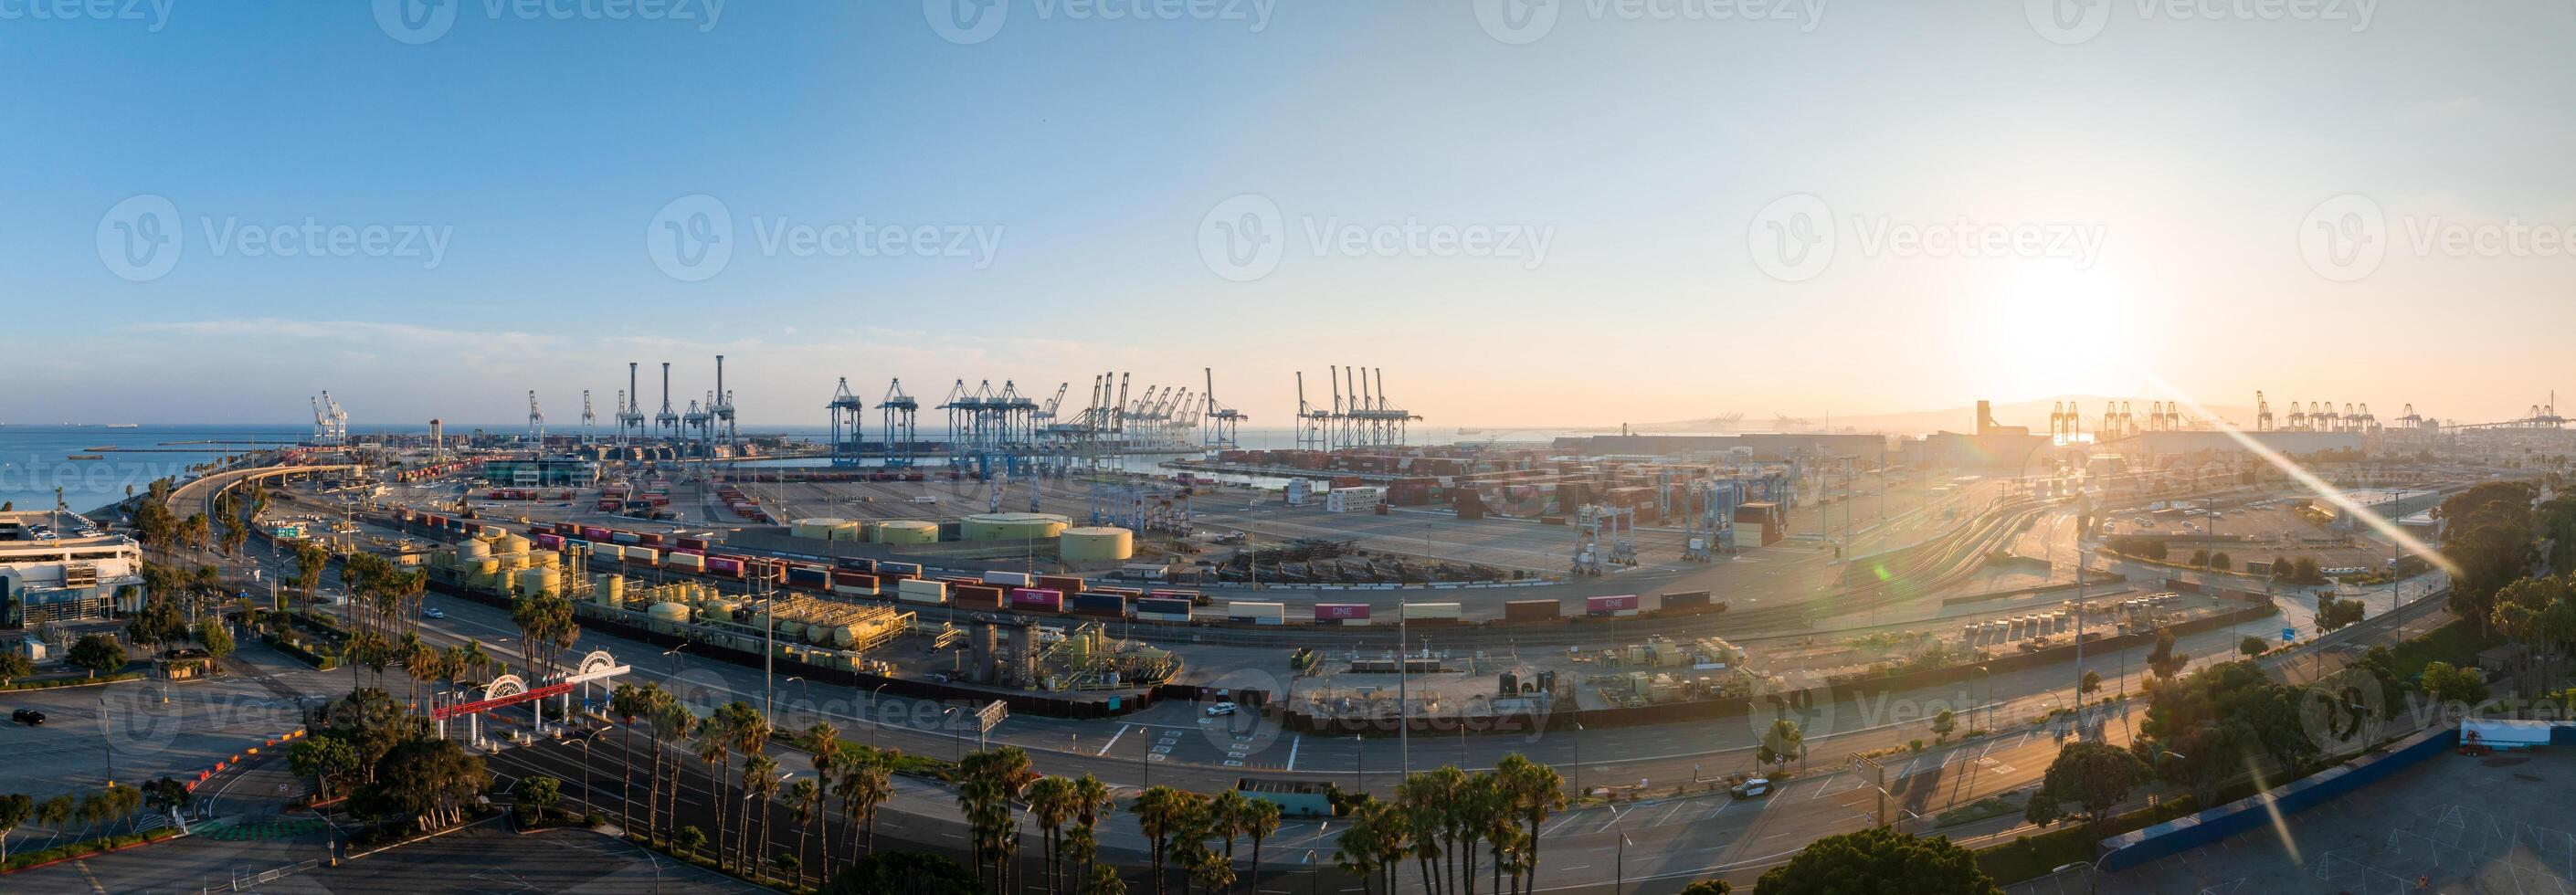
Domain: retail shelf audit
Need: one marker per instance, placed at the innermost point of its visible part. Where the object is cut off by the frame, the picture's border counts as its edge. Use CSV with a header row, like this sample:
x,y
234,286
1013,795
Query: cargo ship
x,y
125,425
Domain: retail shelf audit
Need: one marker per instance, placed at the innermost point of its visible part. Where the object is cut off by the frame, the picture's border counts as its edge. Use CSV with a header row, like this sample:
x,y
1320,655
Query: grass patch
x,y
2458,642
1981,809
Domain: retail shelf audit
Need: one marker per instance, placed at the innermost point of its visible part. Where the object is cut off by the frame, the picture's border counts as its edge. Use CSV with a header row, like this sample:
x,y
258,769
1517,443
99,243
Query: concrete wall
x,y
2185,833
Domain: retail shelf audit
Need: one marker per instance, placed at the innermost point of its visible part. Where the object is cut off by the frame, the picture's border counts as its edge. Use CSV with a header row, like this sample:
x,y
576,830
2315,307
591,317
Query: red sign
x,y
468,708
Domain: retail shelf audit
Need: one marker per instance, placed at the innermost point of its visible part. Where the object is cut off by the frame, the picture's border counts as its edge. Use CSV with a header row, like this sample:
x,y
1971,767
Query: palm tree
x,y
1159,811
1091,802
759,781
825,740
628,702
861,789
1260,818
715,748
1535,790
671,722
1051,803
1370,844
1226,814
749,733
804,801
991,780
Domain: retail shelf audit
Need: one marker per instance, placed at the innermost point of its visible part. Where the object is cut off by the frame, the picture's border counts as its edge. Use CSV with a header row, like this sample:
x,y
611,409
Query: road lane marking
x,y
1113,740
1292,750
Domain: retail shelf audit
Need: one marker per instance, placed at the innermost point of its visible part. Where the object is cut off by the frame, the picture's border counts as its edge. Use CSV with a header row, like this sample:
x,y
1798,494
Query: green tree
x,y
2252,646
15,809
2163,660
540,792
425,781
689,839
2448,684
99,653
14,665
903,872
2096,776
1708,887
2090,683
2221,561
2334,615
217,638
1878,860
1943,724
1781,742
325,758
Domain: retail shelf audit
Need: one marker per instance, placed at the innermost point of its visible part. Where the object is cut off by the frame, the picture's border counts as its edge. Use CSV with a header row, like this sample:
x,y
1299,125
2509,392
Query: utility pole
x,y
1403,714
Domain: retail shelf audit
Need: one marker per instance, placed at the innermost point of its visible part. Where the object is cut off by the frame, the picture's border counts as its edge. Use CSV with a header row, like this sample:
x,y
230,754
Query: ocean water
x,y
35,460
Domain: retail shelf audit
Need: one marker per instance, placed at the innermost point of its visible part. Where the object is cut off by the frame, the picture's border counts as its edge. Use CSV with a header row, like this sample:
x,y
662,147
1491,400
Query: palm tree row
x,y
1449,821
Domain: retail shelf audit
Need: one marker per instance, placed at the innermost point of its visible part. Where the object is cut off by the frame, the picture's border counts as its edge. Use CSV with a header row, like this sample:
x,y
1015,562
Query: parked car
x,y
29,717
1751,789
433,612
1220,709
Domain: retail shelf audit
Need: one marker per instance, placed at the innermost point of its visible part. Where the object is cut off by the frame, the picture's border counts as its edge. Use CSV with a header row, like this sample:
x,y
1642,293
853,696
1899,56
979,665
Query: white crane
x,y
333,421
589,419
536,423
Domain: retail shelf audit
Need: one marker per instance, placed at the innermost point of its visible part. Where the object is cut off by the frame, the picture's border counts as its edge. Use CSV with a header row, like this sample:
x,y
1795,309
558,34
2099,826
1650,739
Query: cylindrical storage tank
x,y
843,636
1013,526
789,629
669,612
511,544
486,566
1097,544
848,531
473,550
540,581
818,528
608,590
545,559
909,531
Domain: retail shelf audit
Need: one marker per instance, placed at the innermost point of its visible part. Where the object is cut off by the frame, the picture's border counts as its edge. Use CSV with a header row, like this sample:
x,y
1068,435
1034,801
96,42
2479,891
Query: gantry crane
x,y
536,423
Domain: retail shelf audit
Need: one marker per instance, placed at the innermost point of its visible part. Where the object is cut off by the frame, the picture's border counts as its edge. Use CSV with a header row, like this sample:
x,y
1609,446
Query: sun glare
x,y
2054,330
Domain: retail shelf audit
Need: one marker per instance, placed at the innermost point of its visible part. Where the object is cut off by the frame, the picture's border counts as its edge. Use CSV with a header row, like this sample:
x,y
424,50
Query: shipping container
x,y
1030,599
1529,610
550,541
1163,606
1623,604
976,596
689,561
1007,579
697,544
1431,611
915,590
809,576
1341,612
728,566
1101,605
1690,599
626,537
1070,584
1256,613
857,584
651,540
855,564
899,568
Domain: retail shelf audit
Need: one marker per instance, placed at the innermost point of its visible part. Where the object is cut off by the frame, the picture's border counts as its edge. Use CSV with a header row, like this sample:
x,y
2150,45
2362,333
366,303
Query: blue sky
x,y
1617,164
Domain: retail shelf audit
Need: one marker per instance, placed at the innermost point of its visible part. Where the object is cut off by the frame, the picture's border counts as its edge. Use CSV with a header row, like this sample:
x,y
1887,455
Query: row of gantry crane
x,y
987,426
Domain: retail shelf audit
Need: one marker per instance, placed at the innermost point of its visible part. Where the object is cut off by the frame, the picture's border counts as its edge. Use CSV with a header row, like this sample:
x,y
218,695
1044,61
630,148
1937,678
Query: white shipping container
x,y
1267,613
915,590
1007,579
1353,500
1431,610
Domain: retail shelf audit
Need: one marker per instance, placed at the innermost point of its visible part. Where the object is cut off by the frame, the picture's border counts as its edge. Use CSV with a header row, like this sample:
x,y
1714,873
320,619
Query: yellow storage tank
x,y
473,550
1013,526
608,590
909,531
669,612
849,531
1097,544
540,581
511,544
818,528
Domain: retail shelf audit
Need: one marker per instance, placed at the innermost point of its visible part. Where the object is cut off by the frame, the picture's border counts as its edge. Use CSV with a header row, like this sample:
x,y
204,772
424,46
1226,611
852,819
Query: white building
x,y
48,574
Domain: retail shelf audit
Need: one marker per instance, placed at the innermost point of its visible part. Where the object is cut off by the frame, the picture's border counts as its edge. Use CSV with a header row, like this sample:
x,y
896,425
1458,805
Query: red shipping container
x,y
1341,611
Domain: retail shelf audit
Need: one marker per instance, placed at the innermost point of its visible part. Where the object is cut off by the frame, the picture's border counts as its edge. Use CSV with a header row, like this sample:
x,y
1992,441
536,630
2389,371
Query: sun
x,y
2050,329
